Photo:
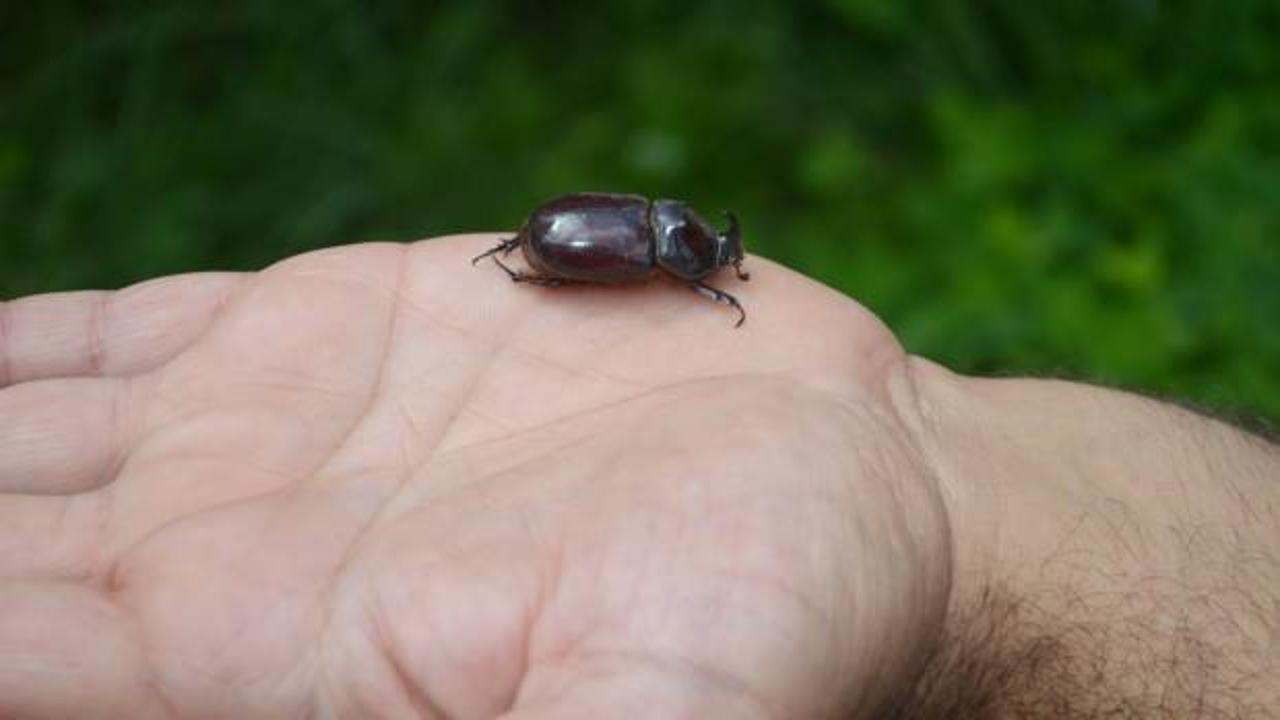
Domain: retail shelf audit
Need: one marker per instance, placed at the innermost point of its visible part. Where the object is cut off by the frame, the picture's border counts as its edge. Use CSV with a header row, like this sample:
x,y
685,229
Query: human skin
x,y
374,481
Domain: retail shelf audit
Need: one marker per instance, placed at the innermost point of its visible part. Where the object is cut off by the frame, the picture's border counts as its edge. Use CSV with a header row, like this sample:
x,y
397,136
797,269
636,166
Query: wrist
x,y
1123,532
1039,471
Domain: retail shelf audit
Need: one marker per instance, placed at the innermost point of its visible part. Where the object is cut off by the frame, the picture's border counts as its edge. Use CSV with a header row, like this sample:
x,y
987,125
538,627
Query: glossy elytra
x,y
610,238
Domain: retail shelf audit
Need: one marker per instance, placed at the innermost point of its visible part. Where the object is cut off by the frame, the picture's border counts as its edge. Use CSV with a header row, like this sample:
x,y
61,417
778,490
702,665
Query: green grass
x,y
1074,188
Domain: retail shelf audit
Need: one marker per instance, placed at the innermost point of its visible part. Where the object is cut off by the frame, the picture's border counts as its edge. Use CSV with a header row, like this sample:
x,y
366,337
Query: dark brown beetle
x,y
608,238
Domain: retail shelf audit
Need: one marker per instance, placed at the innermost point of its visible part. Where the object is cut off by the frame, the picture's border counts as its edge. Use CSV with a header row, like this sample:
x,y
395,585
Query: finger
x,y
107,333
62,436
66,651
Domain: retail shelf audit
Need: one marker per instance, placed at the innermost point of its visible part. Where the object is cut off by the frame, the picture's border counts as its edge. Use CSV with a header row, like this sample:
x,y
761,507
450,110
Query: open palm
x,y
375,481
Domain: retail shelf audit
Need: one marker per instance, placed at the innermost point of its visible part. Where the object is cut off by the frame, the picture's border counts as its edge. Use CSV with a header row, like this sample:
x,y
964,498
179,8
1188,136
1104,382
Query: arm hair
x,y
1164,614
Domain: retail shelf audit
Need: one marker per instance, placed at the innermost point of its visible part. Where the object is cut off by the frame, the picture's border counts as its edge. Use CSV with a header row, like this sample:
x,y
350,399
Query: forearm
x,y
1113,553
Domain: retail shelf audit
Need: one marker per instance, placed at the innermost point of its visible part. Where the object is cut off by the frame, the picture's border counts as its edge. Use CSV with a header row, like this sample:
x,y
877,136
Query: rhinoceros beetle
x,y
613,238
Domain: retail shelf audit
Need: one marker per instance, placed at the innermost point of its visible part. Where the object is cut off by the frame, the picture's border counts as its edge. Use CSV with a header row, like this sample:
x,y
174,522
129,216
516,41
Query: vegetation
x,y
1055,187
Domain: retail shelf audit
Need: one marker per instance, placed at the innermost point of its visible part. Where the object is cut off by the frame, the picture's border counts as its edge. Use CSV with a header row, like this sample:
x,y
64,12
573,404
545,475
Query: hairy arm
x,y
1116,556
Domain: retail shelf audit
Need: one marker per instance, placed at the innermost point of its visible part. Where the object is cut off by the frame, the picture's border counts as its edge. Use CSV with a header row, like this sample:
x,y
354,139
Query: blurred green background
x,y
1080,188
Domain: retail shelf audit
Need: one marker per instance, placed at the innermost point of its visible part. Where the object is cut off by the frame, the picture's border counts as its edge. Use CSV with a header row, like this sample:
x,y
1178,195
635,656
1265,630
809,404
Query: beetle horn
x,y
732,237
734,233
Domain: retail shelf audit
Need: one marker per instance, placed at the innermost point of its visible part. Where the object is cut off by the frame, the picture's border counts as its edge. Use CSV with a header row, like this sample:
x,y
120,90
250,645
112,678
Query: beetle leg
x,y
505,247
518,276
720,296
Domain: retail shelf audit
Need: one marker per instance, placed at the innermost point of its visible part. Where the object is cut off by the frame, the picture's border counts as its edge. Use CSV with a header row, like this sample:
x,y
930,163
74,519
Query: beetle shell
x,y
684,245
591,237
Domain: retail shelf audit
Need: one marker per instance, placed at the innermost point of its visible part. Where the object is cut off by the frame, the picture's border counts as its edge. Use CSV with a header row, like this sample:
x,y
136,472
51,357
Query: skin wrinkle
x,y
722,684
432,623
129,464
193,454
566,648
406,452
97,320
922,430
219,309
298,385
418,699
432,319
913,417
531,611
149,423
316,267
112,589
580,415
73,565
125,295
506,346
910,410
413,470
177,414
545,590
489,418
468,393
549,582
157,688
179,519
601,409
411,307
117,587
488,477
121,430
806,604
86,564
519,433
241,682
378,387
572,371
100,570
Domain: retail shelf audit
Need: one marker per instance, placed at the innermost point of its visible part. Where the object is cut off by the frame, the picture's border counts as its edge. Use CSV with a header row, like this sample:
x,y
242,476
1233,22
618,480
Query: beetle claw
x,y
505,247
515,276
722,297
518,276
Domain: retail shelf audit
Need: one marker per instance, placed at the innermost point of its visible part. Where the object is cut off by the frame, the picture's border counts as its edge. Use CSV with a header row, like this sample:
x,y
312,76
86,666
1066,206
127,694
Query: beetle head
x,y
729,247
688,247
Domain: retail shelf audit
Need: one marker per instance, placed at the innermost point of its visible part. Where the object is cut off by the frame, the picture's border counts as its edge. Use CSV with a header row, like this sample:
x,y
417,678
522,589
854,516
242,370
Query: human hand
x,y
377,481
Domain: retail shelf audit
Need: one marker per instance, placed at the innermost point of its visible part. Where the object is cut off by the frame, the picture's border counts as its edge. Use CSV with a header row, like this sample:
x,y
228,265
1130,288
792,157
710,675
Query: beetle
x,y
614,238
